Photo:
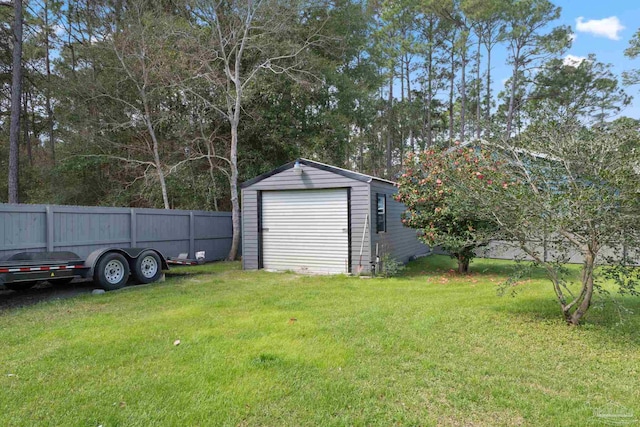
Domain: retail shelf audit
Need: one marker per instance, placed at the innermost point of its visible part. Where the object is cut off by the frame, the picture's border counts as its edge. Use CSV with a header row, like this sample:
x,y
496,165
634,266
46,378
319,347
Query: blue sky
x,y
600,32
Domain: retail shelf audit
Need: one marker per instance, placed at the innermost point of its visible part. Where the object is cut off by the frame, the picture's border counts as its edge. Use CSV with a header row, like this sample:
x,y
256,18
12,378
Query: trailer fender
x,y
129,253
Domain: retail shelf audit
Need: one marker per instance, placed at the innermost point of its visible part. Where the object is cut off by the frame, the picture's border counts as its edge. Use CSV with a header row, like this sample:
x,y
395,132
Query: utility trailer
x,y
105,244
110,268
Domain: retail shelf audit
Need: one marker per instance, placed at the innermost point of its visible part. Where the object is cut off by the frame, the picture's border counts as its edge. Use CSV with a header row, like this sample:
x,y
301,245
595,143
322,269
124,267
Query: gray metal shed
x,y
312,217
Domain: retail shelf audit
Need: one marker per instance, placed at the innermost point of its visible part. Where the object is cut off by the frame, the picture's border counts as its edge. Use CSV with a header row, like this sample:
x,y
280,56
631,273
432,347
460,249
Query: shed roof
x,y
344,172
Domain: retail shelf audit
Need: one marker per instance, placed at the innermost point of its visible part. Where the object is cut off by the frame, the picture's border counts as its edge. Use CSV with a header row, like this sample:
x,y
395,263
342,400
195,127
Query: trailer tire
x,y
147,267
20,286
112,271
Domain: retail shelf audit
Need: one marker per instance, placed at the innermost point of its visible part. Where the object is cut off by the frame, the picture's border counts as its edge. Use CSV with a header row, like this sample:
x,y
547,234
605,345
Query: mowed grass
x,y
269,349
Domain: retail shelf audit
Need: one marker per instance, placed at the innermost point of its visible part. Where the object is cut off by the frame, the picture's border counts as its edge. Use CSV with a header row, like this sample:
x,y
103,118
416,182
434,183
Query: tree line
x,y
173,103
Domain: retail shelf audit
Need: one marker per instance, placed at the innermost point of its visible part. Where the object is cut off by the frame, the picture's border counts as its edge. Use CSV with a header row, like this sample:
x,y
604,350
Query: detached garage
x,y
310,217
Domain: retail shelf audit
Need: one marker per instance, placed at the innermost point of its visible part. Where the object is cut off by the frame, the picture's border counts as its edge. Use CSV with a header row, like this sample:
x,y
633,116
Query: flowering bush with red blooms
x,y
433,187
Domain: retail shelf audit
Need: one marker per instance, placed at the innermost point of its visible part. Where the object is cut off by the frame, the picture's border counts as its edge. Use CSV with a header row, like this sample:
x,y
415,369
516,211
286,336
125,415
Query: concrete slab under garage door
x,y
305,230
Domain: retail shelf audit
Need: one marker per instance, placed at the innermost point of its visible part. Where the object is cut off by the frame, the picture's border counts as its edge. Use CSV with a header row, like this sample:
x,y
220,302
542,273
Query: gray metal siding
x,y
311,178
399,241
249,229
36,228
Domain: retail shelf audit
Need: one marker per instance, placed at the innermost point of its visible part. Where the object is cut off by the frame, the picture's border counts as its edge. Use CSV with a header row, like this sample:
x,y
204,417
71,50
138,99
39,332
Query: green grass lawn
x,y
427,348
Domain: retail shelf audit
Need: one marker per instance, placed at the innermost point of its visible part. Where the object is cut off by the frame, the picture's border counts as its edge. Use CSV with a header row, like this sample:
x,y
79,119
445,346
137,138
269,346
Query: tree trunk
x,y
402,120
512,96
156,154
361,159
487,113
48,91
213,183
233,183
402,78
463,263
451,89
587,285
27,137
430,41
389,125
463,90
16,89
161,177
429,99
69,44
409,99
478,96
32,116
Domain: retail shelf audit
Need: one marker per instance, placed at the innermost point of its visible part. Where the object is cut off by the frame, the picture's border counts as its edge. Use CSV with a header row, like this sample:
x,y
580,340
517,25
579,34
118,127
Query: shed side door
x,y
305,230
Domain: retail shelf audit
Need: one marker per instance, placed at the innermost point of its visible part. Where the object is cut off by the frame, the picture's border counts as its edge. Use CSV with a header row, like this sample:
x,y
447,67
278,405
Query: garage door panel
x,y
305,230
304,254
277,242
310,266
328,234
302,220
307,226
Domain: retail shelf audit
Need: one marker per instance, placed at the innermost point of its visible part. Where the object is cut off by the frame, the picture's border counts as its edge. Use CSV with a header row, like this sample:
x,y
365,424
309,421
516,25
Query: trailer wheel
x,y
112,271
20,286
147,268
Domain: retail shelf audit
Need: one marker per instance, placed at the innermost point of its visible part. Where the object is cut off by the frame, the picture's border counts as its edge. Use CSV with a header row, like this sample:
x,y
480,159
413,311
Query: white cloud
x,y
606,27
573,60
59,30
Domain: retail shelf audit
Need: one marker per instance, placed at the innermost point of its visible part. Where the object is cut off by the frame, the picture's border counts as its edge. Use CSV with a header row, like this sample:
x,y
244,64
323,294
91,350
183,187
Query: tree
x,y
236,43
146,58
633,51
431,28
526,19
48,8
488,18
392,20
574,188
16,94
398,42
438,208
586,92
451,37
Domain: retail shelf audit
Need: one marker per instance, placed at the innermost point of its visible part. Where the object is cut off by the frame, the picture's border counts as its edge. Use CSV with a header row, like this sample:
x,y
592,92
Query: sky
x,y
601,27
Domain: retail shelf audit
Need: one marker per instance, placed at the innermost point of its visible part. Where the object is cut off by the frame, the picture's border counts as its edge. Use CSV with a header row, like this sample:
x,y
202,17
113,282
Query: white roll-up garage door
x,y
305,230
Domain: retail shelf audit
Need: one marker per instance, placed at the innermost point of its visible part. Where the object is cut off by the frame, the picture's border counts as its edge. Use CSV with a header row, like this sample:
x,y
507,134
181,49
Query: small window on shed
x,y
381,217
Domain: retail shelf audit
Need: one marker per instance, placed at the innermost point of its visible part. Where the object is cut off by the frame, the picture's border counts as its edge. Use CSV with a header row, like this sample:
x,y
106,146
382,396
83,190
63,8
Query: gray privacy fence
x,y
547,250
79,229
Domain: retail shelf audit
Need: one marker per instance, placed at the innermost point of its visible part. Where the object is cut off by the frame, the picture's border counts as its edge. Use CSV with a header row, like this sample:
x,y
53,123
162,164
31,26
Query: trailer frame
x,y
25,269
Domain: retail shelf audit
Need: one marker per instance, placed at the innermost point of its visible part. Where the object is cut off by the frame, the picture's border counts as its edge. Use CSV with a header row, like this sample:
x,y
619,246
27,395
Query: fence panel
x,y
553,250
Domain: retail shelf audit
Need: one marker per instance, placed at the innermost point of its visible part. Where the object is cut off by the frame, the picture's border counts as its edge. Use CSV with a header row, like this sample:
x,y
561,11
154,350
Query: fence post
x,y
134,229
49,213
192,236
